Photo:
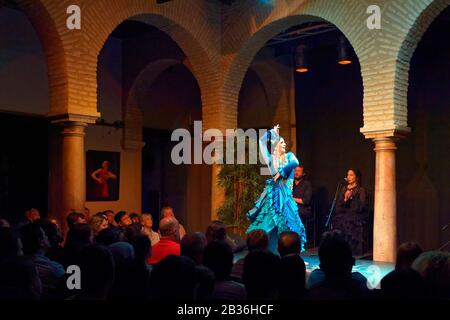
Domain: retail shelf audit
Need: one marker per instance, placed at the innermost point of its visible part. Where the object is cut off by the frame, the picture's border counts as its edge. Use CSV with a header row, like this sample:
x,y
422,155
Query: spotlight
x,y
300,64
343,55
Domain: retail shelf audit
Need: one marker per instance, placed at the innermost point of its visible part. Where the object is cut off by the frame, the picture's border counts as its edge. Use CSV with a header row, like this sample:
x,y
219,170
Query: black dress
x,y
351,218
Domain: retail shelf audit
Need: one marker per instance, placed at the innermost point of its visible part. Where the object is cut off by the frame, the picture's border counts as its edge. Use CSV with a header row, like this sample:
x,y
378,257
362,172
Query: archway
x,y
138,88
423,208
312,107
24,102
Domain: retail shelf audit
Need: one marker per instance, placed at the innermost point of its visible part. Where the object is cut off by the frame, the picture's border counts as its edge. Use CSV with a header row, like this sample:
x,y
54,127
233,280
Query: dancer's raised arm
x,y
270,135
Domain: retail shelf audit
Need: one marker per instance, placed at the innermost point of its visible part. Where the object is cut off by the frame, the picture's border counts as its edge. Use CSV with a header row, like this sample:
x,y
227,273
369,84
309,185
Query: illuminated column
x,y
385,206
73,172
68,187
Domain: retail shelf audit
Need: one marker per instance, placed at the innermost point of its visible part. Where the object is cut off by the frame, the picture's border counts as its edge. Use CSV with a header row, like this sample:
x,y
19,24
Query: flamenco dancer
x,y
275,211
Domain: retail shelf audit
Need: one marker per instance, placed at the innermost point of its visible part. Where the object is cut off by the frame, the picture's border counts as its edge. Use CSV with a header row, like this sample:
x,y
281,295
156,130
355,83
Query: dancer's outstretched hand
x,y
277,128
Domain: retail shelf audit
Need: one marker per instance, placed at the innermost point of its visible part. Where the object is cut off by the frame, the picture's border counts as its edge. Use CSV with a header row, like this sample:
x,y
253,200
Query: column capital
x,y
73,129
385,134
73,118
385,143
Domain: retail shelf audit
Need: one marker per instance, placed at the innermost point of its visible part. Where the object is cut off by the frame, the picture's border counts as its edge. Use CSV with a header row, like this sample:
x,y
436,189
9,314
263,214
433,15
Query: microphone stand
x,y
333,205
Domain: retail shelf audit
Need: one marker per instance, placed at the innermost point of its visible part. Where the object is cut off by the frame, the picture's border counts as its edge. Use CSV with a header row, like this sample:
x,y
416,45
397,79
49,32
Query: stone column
x,y
68,184
73,170
385,202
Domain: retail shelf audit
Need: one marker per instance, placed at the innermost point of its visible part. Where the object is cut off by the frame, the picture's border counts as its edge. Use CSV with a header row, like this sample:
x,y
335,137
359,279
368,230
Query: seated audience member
x,y
404,283
167,212
98,222
193,245
261,275
205,283
79,236
4,223
32,215
35,245
87,214
128,278
121,251
406,254
132,275
317,276
169,243
218,257
108,236
97,265
217,231
336,262
74,218
173,279
289,243
292,277
293,269
18,276
122,219
142,250
19,280
55,238
132,230
10,245
434,266
110,216
135,218
256,240
29,216
147,228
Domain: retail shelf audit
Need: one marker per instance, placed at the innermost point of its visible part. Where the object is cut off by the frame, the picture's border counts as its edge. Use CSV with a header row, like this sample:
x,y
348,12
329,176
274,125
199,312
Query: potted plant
x,y
243,184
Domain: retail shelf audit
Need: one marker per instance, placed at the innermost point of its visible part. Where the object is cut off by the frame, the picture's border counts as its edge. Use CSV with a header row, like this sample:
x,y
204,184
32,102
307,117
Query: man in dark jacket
x,y
302,193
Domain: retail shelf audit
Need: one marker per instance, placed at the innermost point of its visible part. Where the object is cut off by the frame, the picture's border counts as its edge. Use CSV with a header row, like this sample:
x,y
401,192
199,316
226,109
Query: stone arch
x,y
284,15
102,17
278,96
132,113
426,14
40,16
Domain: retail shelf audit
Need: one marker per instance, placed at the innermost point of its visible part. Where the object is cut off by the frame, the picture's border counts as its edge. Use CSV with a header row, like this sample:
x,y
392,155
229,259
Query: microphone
x,y
345,180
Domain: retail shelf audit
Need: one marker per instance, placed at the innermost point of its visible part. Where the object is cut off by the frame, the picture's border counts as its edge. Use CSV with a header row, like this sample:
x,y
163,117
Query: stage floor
x,y
374,271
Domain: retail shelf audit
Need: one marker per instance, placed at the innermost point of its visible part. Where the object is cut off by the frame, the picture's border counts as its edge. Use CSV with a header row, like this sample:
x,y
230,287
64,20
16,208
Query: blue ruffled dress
x,y
275,211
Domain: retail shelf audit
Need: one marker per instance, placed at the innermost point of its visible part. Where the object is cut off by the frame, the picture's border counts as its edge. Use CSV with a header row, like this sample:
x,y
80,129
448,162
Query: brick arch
x,y
103,16
43,23
426,14
283,16
132,113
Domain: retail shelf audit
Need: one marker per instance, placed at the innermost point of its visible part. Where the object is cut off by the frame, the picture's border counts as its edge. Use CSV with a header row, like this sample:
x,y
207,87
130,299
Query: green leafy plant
x,y
243,184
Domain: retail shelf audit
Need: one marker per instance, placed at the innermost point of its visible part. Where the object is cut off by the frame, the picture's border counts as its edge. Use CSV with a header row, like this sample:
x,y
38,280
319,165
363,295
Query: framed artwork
x,y
102,175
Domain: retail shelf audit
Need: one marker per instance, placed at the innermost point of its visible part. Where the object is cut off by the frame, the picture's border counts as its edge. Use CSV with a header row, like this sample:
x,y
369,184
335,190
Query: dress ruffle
x,y
276,208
